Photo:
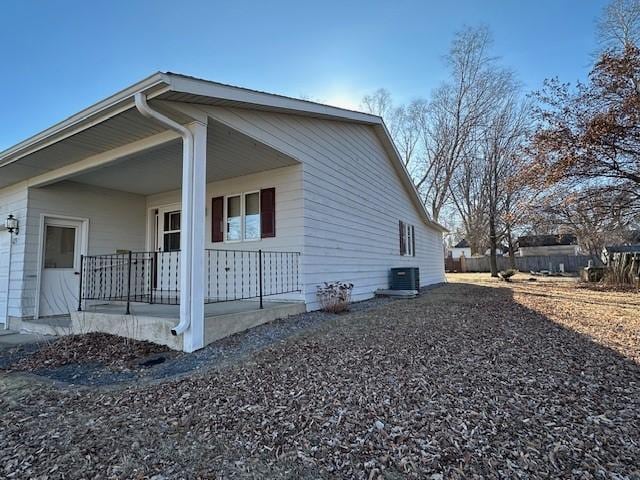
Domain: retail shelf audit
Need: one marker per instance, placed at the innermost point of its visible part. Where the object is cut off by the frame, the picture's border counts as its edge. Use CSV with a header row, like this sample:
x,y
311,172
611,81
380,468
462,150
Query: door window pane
x,y
171,242
234,218
252,216
171,231
59,247
171,221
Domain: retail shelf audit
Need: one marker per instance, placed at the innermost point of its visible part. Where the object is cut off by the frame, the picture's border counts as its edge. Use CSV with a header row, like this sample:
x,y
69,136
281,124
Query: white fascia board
x,y
195,86
93,115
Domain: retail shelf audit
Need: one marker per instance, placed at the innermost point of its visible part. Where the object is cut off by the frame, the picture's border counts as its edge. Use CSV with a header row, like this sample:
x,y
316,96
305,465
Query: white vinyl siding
x,y
353,197
289,201
4,273
339,206
117,220
13,200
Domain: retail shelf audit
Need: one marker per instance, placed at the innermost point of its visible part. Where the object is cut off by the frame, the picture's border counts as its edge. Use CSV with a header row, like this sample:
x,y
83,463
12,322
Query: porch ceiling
x,y
121,129
229,154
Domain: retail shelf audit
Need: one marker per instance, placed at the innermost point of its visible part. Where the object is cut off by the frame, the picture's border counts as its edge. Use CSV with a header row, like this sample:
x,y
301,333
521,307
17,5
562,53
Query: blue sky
x,y
61,56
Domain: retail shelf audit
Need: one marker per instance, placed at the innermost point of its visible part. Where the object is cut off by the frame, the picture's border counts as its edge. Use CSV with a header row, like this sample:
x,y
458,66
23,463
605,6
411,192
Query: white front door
x,y
60,278
5,238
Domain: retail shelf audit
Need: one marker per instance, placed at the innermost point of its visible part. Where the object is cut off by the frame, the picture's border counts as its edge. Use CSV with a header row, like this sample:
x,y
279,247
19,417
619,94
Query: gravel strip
x,y
468,381
91,369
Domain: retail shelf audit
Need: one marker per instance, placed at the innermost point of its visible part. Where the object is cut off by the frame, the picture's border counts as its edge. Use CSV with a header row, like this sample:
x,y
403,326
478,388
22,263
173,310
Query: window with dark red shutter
x,y
268,212
217,219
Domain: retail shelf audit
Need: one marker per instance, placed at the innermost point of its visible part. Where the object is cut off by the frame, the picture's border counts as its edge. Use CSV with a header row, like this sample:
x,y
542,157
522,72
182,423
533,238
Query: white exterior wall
x,y
340,207
353,201
13,200
289,218
116,221
289,224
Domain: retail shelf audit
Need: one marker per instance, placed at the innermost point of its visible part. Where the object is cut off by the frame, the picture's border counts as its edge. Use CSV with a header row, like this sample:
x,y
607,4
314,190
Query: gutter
x,y
187,162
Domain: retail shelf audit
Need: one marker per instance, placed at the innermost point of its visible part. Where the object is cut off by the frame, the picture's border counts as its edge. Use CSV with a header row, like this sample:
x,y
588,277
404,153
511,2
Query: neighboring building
x,y
206,194
534,245
613,252
462,248
501,251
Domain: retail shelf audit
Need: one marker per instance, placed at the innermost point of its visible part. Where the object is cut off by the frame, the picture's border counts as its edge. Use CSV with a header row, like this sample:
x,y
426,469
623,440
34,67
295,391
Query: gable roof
x,y
182,88
623,248
462,244
547,240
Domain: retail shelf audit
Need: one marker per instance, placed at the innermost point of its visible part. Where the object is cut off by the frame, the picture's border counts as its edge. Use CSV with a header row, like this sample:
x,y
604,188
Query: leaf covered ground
x,y
475,379
112,351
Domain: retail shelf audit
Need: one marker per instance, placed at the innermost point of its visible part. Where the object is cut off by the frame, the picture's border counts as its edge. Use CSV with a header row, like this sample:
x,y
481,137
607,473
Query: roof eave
x,y
96,113
197,86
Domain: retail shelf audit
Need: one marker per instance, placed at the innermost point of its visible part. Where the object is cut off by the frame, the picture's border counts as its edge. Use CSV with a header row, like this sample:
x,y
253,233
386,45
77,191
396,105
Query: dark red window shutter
x,y
268,212
403,247
413,241
217,219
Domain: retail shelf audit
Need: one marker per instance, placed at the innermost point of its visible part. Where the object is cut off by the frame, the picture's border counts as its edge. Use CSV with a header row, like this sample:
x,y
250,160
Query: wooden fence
x,y
570,263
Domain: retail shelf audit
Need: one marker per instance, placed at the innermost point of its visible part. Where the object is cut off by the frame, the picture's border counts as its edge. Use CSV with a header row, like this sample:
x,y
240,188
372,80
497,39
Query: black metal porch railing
x,y
154,277
241,274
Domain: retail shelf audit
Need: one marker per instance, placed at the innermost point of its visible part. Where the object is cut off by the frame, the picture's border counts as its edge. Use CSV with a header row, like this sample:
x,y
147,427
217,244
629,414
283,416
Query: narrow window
x,y
234,218
252,216
407,235
171,231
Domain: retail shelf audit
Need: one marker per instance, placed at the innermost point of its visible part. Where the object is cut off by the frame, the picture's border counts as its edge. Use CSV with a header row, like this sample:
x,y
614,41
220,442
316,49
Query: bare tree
x,y
469,196
456,112
406,127
620,24
502,142
378,103
457,146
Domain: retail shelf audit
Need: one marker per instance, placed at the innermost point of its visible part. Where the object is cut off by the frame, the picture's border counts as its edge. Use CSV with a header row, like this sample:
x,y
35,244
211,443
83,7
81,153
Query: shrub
x,y
623,272
335,296
507,274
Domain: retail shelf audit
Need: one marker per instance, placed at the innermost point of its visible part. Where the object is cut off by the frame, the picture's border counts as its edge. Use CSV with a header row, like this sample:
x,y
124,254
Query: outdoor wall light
x,y
12,224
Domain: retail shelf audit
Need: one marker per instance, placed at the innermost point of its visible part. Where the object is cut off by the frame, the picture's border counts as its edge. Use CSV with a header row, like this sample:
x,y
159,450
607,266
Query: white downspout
x,y
187,207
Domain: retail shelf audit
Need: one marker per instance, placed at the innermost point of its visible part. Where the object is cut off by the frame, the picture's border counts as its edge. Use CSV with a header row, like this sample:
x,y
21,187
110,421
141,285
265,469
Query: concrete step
x,y
59,325
396,293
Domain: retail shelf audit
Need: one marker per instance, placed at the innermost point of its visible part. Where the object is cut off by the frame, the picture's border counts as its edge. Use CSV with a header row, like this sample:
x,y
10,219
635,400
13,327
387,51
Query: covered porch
x,y
171,236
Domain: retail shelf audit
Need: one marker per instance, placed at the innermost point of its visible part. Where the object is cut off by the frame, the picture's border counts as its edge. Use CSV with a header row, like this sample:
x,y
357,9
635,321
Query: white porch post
x,y
193,239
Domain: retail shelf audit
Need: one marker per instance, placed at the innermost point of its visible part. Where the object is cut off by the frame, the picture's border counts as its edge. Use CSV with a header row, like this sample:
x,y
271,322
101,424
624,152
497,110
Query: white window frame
x,y
408,241
166,232
244,215
226,218
243,211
